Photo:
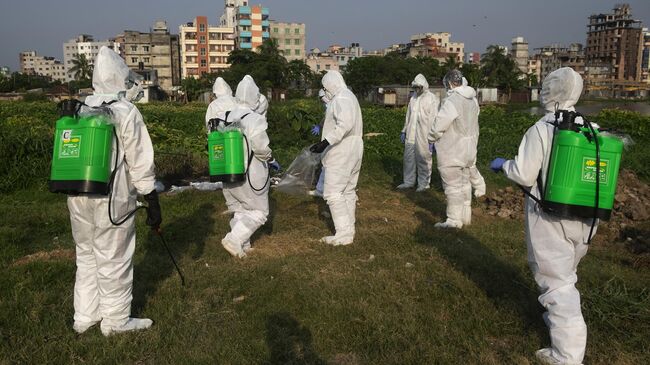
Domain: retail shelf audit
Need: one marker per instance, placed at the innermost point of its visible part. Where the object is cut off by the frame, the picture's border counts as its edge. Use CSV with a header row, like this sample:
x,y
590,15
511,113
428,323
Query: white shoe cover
x,y
81,327
247,247
546,357
233,248
338,241
449,224
423,189
132,324
404,186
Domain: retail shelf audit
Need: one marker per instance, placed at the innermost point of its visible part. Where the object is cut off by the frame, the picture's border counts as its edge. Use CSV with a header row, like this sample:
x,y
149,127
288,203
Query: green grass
x,y
425,297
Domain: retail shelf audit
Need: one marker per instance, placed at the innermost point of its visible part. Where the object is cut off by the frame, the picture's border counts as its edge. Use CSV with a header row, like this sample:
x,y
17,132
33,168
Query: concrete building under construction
x,y
614,53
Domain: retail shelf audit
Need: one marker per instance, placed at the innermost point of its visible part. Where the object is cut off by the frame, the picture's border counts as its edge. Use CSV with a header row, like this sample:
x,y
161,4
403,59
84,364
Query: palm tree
x,y
81,67
500,70
451,63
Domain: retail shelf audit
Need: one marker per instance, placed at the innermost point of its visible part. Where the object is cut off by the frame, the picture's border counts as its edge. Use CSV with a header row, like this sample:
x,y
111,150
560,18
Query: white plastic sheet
x,y
299,178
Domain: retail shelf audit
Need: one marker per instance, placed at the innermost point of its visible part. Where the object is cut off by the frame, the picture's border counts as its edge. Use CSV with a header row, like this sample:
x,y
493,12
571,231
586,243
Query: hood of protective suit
x,y
110,72
562,86
420,80
333,82
221,88
248,93
465,91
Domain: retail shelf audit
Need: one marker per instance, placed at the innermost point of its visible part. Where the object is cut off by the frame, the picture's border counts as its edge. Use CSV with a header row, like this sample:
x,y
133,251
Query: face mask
x,y
328,94
134,88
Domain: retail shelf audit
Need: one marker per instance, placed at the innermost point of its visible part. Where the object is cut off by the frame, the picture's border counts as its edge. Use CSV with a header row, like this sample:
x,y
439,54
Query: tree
x,y
451,63
472,72
81,67
501,71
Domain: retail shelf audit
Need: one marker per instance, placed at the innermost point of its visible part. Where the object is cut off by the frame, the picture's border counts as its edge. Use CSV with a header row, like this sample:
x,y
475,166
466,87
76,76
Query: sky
x,y
44,25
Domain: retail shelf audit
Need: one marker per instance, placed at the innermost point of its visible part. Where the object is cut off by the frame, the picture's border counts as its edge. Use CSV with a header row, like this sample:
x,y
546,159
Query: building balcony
x,y
266,35
245,34
245,45
247,22
265,11
265,23
244,10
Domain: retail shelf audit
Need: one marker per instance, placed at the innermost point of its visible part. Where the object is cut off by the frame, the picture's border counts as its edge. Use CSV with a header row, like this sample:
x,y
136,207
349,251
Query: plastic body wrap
x,y
299,177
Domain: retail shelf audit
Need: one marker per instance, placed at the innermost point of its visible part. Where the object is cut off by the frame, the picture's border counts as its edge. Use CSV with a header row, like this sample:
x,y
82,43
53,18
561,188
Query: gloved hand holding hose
x,y
154,216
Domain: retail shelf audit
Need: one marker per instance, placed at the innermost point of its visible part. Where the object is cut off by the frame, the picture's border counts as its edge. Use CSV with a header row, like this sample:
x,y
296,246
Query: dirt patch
x,y
630,222
62,254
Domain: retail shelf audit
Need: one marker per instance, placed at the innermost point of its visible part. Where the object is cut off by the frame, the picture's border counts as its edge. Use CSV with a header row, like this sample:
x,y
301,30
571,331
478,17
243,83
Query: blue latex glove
x,y
275,165
315,130
402,137
497,164
432,148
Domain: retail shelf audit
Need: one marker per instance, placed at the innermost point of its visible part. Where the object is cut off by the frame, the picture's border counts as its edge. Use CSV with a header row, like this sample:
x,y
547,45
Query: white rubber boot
x,y
132,324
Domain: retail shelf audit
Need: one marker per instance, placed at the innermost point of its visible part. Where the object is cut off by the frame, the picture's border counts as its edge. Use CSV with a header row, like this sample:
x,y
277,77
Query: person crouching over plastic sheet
x,y
421,112
104,279
249,200
342,148
455,134
555,245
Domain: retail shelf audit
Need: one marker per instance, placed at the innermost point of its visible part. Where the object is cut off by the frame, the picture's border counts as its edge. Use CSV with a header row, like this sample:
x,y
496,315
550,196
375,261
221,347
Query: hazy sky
x,y
43,25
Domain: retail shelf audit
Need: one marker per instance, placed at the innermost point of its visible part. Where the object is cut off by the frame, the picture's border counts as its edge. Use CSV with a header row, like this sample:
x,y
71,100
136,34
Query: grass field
x,y
403,293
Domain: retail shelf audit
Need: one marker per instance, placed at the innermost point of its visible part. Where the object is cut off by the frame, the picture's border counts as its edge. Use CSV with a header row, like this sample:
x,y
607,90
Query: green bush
x,y
178,135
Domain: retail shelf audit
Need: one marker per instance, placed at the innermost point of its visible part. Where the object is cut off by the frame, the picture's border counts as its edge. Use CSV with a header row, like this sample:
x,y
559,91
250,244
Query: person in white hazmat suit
x,y
104,278
475,177
224,101
342,148
422,110
262,104
555,245
455,134
250,204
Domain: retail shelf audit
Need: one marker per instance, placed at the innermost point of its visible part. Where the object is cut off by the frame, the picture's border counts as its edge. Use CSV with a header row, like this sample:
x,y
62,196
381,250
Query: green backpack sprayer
x,y
582,172
226,152
81,159
82,152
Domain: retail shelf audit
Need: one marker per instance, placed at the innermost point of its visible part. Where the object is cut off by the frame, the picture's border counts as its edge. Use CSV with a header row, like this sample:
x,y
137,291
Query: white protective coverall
x,y
455,133
422,110
475,177
104,278
555,245
343,129
224,101
250,207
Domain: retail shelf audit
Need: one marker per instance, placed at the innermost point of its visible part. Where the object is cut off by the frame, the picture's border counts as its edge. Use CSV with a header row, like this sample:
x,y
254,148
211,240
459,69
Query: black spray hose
x,y
131,213
250,157
596,206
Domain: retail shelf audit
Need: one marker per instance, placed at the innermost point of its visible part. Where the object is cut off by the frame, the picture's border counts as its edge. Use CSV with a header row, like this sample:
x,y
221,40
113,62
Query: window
x,y
201,27
134,59
134,48
297,52
287,42
317,67
146,48
287,31
202,39
296,42
296,31
203,63
146,60
275,30
327,67
202,51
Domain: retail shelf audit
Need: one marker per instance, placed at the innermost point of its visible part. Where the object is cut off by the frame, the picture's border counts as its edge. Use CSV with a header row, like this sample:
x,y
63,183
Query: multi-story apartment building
x,y
250,23
435,45
614,50
343,55
291,39
321,61
519,53
33,64
535,68
157,50
555,56
204,48
645,60
83,44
